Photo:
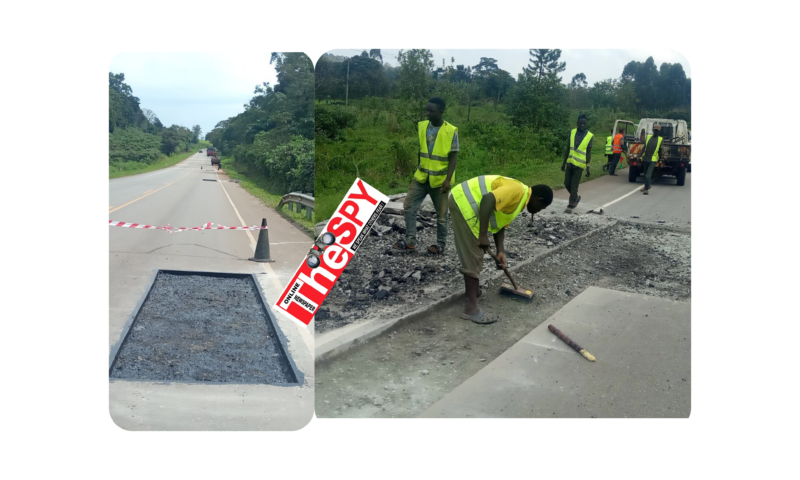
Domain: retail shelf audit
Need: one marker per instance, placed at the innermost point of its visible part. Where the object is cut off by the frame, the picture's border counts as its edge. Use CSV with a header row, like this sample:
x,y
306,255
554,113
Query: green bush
x,y
133,145
286,168
330,121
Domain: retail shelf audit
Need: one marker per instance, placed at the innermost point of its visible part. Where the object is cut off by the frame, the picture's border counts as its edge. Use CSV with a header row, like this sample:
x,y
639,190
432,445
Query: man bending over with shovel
x,y
487,204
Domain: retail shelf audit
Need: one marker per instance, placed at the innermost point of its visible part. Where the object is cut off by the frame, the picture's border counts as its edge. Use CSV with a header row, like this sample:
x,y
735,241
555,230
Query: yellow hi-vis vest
x,y
468,195
577,156
609,148
655,154
434,164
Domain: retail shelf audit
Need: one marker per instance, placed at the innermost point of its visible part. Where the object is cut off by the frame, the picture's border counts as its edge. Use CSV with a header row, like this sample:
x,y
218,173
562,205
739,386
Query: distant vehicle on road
x,y
675,155
215,160
210,151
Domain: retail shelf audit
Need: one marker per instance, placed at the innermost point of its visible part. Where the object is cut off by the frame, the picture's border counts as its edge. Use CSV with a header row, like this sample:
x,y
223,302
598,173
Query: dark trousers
x,y
613,160
572,178
648,173
416,194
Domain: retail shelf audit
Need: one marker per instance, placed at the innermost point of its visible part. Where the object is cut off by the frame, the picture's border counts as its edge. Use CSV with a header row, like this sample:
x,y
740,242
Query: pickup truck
x,y
210,151
675,155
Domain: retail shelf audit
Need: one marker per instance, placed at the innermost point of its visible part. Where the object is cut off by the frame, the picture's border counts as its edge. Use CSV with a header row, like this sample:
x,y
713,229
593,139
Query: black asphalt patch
x,y
204,327
209,180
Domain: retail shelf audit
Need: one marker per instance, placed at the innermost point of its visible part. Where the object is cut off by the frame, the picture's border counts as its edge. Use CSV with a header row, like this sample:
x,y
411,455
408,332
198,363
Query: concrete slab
x,y
643,369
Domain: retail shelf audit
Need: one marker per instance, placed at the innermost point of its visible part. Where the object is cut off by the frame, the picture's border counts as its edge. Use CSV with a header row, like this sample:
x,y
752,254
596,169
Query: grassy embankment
x,y
259,187
381,148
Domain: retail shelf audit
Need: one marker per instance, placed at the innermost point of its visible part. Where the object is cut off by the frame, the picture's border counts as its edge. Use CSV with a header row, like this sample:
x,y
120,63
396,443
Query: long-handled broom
x,y
516,291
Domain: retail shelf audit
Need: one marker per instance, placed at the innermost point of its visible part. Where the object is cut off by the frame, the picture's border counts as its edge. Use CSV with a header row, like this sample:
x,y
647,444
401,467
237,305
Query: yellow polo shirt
x,y
508,193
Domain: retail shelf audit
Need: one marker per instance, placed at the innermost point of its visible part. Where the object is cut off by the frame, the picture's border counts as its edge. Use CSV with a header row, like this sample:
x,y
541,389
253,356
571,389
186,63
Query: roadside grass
x,y
381,148
259,187
124,169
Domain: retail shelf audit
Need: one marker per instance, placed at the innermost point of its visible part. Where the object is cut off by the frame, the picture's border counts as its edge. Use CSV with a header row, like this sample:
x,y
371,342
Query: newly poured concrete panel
x,y
642,344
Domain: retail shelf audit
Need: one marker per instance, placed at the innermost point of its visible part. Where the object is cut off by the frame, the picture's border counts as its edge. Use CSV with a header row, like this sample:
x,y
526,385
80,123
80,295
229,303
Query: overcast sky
x,y
597,65
194,88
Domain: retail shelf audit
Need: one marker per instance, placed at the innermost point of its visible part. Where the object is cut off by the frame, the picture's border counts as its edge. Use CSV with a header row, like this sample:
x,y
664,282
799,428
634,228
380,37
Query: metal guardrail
x,y
298,201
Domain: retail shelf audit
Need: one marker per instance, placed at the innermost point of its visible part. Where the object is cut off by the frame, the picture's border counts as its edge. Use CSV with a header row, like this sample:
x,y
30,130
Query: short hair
x,y
544,192
621,129
583,116
438,101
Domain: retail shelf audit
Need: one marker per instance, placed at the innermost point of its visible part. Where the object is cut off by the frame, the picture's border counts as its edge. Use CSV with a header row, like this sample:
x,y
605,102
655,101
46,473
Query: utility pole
x,y
347,85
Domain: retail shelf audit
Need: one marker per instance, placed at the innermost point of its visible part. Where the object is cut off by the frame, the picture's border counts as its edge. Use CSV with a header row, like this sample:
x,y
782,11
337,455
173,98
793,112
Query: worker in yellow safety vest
x,y
609,152
488,204
577,158
650,156
436,166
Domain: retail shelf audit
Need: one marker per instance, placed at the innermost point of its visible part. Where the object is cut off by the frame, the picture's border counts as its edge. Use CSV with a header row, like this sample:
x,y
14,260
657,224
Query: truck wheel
x,y
633,173
689,168
681,176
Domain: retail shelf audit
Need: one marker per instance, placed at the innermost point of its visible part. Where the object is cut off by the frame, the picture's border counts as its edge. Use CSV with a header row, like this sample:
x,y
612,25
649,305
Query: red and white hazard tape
x,y
168,228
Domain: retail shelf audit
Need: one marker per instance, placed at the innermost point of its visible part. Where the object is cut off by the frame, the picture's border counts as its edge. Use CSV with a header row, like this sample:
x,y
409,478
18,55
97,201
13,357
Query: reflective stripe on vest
x,y
577,156
468,195
434,164
617,145
655,153
609,150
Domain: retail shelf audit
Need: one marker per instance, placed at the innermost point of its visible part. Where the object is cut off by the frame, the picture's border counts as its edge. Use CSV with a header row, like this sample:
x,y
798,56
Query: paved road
x,y
181,196
667,202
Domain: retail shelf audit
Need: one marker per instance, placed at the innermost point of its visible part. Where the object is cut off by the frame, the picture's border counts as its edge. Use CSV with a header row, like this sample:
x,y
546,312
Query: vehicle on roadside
x,y
210,151
674,156
215,160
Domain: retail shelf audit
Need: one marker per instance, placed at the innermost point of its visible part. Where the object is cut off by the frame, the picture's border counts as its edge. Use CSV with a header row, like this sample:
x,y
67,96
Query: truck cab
x,y
674,157
210,151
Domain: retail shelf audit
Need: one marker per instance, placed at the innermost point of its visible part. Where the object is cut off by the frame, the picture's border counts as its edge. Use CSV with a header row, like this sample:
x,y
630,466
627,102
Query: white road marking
x,y
304,330
266,266
637,189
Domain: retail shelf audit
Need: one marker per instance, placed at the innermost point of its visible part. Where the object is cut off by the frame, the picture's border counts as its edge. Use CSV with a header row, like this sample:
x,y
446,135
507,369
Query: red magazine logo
x,y
332,251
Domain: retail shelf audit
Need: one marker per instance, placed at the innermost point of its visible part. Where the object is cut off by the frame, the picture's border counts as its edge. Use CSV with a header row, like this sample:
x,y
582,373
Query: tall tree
x,y
196,132
579,81
671,86
603,93
415,67
578,92
544,63
123,107
485,67
375,54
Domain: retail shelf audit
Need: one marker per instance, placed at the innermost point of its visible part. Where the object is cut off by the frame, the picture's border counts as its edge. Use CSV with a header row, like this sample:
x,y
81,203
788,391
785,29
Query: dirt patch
x,y
200,328
382,281
403,372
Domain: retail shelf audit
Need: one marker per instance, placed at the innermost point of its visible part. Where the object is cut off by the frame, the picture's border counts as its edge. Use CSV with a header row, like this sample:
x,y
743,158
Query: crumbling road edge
x,y
326,351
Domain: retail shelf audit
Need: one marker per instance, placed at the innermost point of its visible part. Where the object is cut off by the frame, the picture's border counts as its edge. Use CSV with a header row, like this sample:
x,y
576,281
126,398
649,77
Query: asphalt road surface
x,y
184,196
667,202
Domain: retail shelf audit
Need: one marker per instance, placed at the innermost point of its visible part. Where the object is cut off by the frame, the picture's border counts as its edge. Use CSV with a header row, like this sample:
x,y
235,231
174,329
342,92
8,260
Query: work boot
x,y
646,191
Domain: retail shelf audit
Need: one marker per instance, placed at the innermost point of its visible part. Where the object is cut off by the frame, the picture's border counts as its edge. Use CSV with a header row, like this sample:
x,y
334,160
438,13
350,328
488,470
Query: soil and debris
x,y
382,281
403,372
201,328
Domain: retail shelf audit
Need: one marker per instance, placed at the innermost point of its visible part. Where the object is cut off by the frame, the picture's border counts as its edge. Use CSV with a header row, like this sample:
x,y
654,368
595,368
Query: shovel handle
x,y
508,274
